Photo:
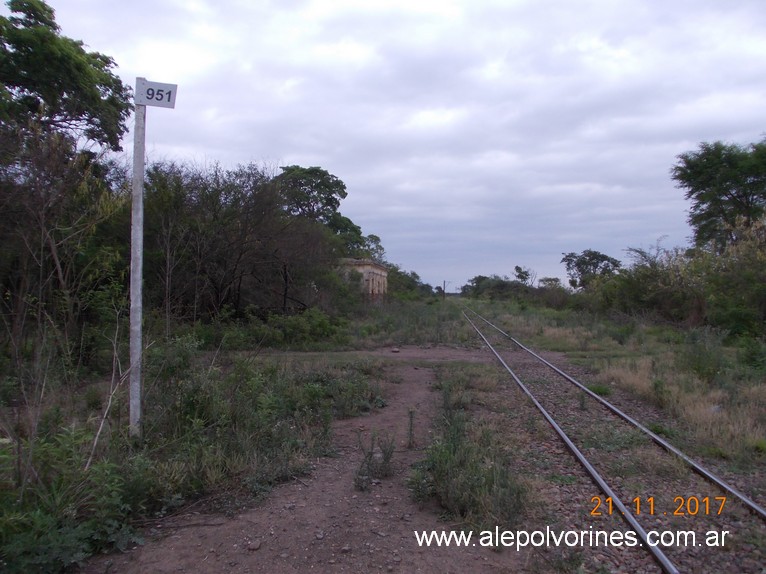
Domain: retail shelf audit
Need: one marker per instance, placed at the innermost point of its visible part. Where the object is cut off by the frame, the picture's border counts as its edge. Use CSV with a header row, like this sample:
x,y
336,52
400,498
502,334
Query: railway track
x,y
688,518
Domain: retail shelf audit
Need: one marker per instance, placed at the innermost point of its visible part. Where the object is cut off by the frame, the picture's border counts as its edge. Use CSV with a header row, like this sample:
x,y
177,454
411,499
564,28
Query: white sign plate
x,y
155,94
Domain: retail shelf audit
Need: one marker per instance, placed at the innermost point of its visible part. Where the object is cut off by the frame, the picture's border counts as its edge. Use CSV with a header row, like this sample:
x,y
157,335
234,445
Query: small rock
x,y
254,545
346,549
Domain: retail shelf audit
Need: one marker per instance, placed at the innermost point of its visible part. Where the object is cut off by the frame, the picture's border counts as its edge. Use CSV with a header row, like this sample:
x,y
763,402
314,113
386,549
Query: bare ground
x,y
322,523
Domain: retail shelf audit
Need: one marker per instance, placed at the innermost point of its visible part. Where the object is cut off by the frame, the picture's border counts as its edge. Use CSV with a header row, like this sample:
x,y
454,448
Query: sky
x,y
472,135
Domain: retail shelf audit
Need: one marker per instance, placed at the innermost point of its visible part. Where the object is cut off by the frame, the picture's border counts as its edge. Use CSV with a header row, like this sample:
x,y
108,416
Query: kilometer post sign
x,y
155,94
163,96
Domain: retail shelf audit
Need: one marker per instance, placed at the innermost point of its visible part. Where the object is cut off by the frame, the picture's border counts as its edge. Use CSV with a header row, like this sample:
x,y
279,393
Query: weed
x,y
420,483
562,479
661,430
752,353
376,461
600,390
92,399
759,446
411,429
661,392
263,422
465,470
703,353
614,439
717,452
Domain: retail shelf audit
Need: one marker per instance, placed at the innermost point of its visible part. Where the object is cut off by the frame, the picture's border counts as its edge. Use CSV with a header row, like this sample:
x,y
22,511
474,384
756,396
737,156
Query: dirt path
x,y
322,523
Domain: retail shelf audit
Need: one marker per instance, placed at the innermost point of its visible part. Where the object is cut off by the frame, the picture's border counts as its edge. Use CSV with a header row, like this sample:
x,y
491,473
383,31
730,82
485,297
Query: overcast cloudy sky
x,y
472,135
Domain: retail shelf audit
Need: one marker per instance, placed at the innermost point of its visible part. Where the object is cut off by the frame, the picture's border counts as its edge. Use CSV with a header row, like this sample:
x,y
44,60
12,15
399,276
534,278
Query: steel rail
x,y
664,561
699,469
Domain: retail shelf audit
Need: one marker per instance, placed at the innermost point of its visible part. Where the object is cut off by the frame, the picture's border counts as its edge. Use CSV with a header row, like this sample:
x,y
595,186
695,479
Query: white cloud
x,y
473,135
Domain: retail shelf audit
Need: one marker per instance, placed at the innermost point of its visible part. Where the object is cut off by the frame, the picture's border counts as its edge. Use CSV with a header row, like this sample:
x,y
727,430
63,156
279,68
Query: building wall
x,y
374,280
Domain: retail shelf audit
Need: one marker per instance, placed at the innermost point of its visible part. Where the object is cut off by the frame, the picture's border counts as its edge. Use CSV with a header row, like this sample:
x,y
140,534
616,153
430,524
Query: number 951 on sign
x,y
155,94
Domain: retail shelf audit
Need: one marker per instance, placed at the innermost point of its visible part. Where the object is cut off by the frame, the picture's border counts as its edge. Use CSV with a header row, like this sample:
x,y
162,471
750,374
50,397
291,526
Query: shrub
x,y
65,512
251,426
703,353
465,470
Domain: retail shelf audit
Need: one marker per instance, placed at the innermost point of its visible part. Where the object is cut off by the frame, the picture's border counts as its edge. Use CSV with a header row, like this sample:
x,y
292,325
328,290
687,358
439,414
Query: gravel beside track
x,y
639,471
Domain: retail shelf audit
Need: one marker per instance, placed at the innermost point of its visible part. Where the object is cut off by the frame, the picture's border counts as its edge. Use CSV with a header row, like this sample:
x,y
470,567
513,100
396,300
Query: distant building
x,y
374,282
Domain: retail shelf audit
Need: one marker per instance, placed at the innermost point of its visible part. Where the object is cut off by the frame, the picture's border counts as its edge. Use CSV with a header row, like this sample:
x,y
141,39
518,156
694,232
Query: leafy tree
x,y
56,264
495,287
310,192
406,285
550,283
373,248
583,268
524,275
726,184
51,79
354,243
219,243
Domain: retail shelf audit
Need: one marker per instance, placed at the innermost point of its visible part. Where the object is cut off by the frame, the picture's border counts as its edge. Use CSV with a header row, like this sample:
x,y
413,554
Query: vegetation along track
x,y
661,493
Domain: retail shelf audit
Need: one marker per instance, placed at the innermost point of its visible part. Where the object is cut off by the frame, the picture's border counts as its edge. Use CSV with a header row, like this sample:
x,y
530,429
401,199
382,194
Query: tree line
x,y
719,280
219,242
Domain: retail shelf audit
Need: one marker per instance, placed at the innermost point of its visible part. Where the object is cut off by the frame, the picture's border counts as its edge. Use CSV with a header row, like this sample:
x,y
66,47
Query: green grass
x,y
464,470
242,428
600,390
709,381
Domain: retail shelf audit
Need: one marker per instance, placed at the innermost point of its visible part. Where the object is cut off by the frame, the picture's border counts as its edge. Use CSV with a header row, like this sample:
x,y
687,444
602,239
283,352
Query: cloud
x,y
472,135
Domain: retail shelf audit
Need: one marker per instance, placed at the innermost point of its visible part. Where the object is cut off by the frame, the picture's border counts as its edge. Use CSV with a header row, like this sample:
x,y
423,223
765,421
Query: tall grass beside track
x,y
466,469
712,387
67,492
413,323
219,418
222,418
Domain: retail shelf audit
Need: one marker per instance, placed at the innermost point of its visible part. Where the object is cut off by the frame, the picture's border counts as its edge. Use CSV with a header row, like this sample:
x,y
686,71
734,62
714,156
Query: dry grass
x,y
644,460
635,377
728,421
692,375
730,430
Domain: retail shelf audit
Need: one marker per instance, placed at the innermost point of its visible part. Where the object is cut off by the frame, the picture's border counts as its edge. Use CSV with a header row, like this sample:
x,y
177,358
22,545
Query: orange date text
x,y
681,506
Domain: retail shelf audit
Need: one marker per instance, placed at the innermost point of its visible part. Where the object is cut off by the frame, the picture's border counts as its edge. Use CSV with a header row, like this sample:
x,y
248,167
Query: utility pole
x,y
147,94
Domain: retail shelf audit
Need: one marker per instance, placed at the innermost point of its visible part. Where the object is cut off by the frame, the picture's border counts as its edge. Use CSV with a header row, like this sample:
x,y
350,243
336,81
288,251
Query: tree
x,y
726,184
550,283
56,264
310,192
406,285
51,79
524,275
582,269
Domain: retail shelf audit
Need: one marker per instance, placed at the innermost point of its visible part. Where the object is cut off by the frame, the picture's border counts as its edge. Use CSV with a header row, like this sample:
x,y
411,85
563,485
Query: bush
x,y
249,428
66,512
752,352
703,353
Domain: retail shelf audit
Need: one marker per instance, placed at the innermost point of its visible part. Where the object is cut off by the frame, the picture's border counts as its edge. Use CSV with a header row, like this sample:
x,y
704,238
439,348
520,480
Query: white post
x,y
136,270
